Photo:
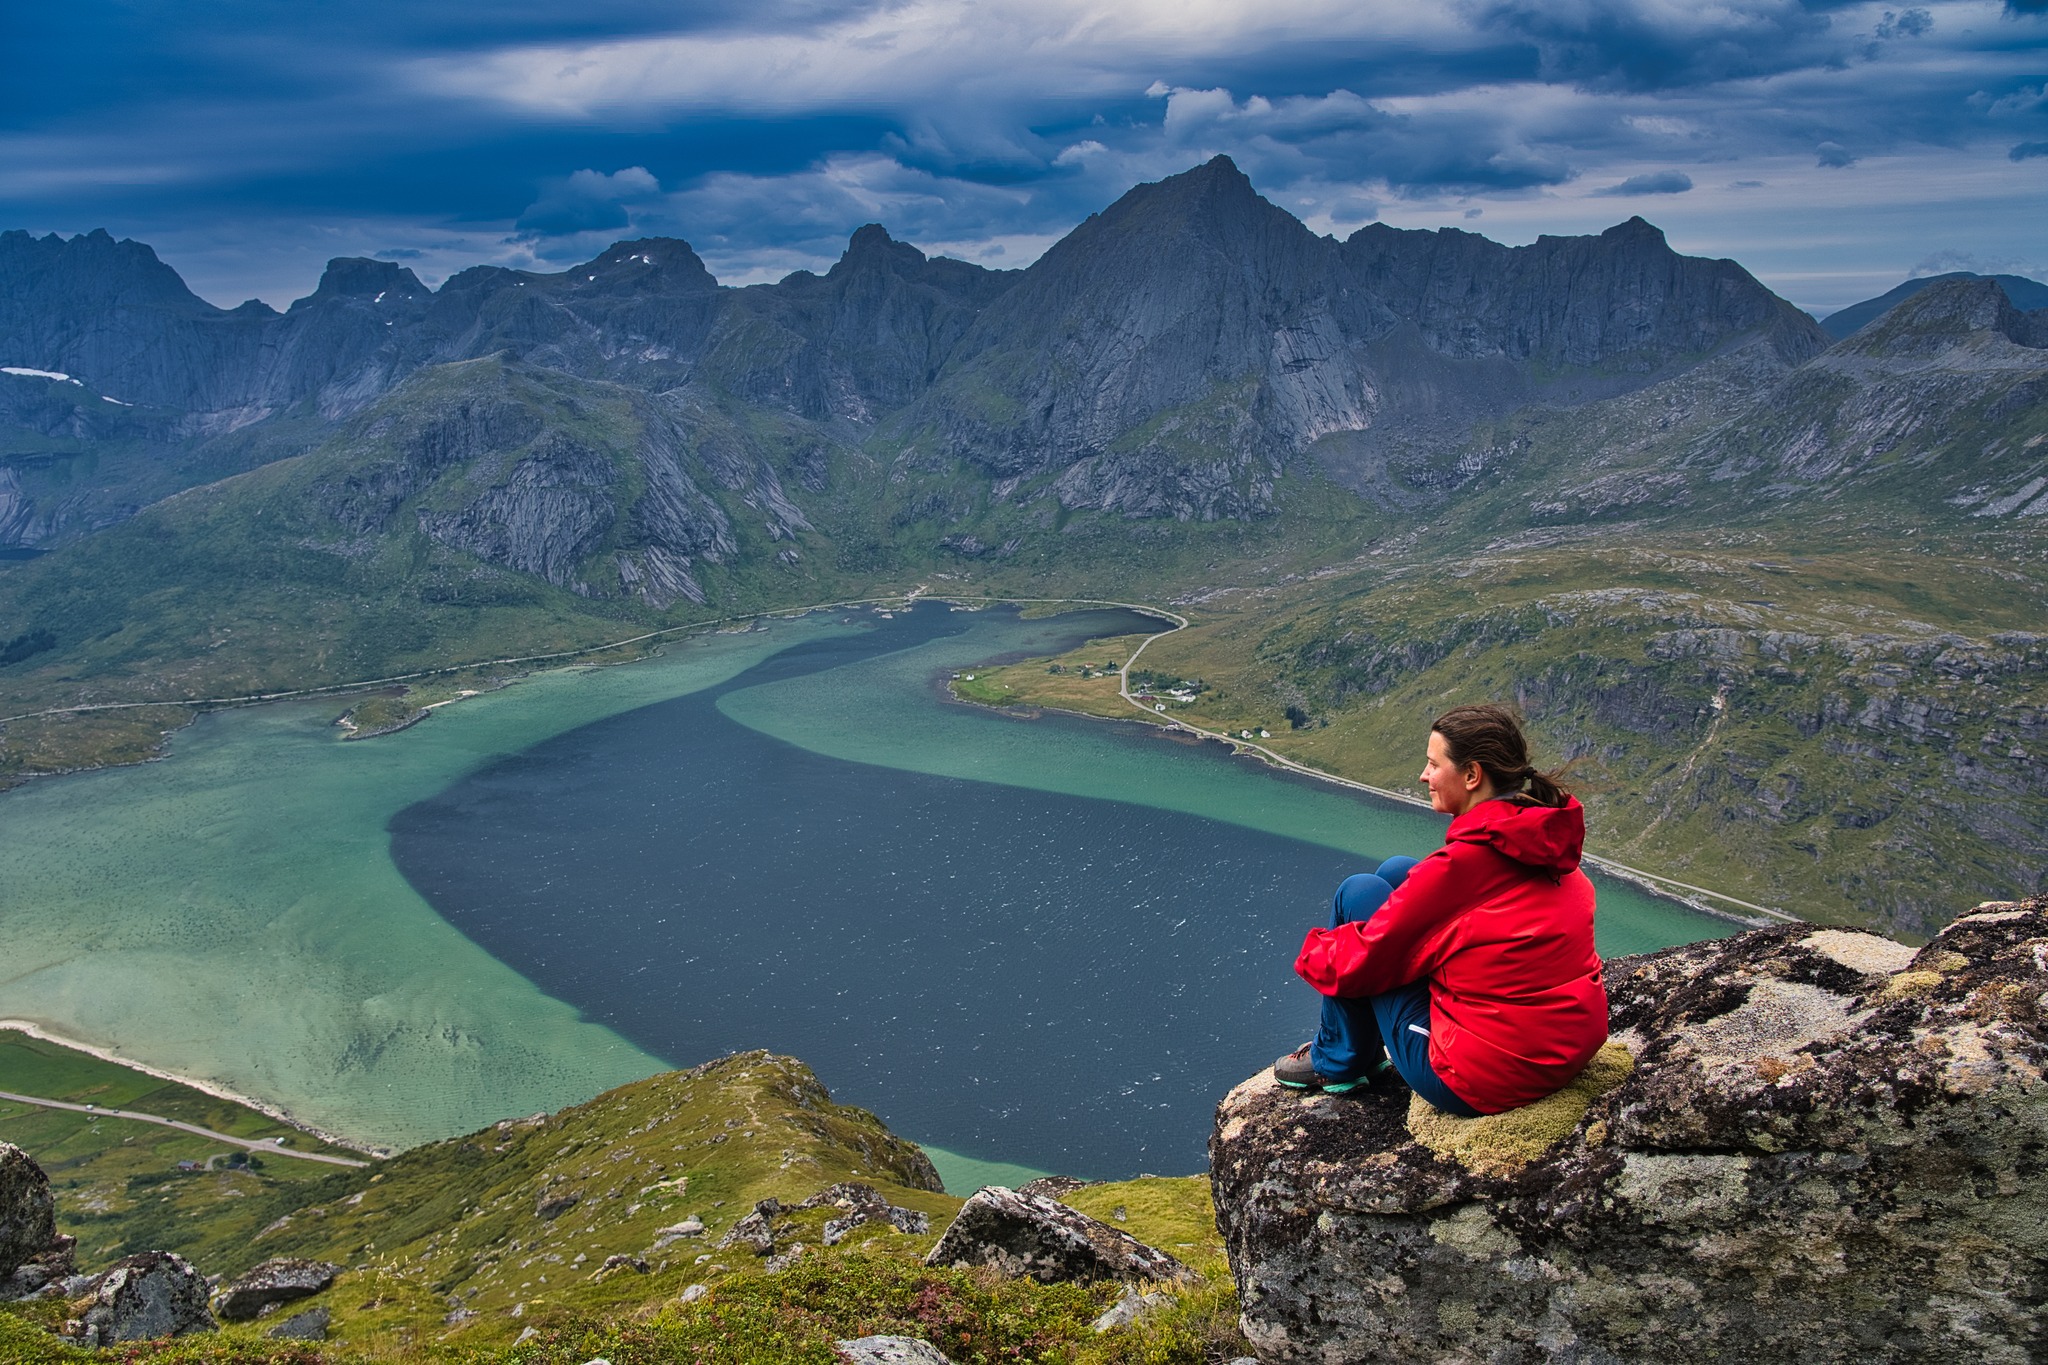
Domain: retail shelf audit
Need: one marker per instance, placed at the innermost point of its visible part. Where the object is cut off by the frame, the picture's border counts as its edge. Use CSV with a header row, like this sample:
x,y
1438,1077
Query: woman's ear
x,y
1472,775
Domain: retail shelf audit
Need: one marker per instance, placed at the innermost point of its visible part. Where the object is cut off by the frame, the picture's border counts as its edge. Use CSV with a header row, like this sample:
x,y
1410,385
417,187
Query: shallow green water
x,y
232,913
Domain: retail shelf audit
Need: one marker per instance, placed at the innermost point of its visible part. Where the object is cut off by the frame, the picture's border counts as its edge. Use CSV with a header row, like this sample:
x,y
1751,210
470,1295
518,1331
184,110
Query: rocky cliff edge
x,y
1802,1143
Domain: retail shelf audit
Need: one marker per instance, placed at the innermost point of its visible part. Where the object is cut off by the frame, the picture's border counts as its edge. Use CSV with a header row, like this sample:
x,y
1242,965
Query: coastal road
x,y
253,1144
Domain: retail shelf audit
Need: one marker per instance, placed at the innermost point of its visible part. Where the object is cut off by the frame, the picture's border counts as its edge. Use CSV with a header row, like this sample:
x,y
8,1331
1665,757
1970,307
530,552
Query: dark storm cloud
x,y
1654,182
1631,45
766,131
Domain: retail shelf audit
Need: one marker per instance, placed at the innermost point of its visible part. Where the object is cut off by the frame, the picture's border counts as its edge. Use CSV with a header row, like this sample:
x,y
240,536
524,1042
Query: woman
x,y
1474,969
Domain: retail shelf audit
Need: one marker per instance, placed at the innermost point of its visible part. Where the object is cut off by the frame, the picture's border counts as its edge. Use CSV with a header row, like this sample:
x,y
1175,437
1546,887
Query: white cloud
x,y
903,55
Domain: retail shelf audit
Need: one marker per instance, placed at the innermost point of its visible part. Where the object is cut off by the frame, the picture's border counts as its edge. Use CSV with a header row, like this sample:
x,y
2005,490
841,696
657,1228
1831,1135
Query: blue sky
x,y
1832,148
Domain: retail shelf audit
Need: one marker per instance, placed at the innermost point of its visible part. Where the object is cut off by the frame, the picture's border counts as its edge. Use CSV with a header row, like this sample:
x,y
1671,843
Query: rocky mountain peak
x,y
1213,201
1636,231
1943,315
357,277
872,248
660,265
91,266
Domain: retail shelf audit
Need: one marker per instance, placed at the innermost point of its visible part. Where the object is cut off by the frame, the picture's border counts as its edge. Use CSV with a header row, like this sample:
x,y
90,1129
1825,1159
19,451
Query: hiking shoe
x,y
1296,1072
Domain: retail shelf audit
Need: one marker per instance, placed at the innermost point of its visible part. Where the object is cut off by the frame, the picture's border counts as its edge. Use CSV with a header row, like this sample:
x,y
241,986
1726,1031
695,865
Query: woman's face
x,y
1451,790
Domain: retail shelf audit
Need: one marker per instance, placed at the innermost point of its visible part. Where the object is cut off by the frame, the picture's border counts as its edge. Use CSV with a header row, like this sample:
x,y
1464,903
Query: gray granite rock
x,y
755,1232
1828,1148
28,1212
156,1294
863,1204
278,1280
892,1351
1129,1309
1026,1234
310,1325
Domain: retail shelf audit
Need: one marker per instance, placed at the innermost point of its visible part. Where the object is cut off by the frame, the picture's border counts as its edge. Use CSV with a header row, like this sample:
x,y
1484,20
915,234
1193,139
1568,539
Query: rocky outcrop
x,y
278,1280
28,1212
156,1294
1027,1234
1804,1144
861,1204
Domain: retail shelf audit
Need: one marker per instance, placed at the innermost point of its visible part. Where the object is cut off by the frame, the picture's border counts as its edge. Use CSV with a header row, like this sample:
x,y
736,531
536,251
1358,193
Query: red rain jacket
x,y
1499,921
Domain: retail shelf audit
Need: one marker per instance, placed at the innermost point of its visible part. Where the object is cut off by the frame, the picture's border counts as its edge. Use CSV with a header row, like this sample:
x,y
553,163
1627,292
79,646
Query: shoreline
x,y
277,1113
1652,882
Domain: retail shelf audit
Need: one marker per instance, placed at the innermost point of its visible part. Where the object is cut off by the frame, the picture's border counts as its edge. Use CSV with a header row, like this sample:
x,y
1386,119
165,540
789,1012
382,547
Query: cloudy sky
x,y
1833,148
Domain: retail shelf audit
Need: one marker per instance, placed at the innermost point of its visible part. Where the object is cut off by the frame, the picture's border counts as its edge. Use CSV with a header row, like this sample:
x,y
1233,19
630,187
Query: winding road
x,y
253,1144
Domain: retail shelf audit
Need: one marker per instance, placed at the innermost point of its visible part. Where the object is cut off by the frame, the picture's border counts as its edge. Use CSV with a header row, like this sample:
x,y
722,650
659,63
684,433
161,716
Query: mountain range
x,y
1189,391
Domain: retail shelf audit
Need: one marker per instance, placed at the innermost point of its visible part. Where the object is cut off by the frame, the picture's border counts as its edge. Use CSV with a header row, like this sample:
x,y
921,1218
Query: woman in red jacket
x,y
1474,969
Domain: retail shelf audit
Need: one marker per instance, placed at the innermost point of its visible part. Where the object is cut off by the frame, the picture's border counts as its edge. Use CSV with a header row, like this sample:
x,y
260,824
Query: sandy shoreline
x,y
213,1088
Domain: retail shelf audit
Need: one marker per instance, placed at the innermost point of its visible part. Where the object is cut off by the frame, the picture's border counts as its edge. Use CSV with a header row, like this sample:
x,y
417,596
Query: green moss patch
x,y
1502,1144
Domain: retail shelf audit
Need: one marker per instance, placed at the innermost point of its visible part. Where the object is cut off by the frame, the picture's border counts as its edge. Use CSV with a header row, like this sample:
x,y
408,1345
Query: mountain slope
x,y
2023,293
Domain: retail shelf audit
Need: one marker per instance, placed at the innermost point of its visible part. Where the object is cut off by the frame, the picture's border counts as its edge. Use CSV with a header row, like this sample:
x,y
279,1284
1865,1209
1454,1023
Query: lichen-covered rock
x,y
863,1204
156,1294
278,1280
310,1325
1026,1234
756,1231
892,1351
28,1213
1829,1148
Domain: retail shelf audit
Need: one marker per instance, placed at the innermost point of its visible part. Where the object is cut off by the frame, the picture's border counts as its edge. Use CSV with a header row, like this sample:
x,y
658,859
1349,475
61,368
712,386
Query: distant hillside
x,y
2024,294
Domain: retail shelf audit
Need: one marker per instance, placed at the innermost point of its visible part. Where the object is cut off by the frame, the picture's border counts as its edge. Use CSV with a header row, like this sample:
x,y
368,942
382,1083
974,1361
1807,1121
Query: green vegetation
x,y
118,1184
493,1247
1768,718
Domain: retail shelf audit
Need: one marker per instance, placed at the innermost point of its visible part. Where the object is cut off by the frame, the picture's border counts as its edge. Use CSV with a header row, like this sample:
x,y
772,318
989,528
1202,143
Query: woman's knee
x,y
1357,897
1394,870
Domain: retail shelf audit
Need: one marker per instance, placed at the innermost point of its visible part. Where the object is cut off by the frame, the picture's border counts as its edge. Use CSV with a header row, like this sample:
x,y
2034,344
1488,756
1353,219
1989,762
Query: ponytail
x,y
1492,737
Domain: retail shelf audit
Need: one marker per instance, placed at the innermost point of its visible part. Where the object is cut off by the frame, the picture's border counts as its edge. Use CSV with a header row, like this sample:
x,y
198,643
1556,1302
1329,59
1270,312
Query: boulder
x,y
863,1204
1028,1234
310,1325
1804,1144
155,1294
756,1231
692,1226
1129,1309
28,1213
892,1351
278,1280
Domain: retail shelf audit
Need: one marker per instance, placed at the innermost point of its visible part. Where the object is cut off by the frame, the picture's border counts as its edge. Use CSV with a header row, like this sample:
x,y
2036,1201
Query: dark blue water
x,y
20,552
1004,973
1063,982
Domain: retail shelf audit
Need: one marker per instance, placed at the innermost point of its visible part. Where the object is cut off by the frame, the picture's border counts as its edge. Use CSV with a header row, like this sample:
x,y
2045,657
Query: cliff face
x,y
1171,354
1803,1144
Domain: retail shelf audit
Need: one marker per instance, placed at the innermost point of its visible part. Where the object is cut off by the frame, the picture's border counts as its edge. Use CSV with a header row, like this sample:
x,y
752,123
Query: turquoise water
x,y
233,913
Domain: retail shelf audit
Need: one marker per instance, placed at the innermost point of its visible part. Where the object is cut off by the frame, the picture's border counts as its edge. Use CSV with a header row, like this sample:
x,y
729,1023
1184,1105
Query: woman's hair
x,y
1491,737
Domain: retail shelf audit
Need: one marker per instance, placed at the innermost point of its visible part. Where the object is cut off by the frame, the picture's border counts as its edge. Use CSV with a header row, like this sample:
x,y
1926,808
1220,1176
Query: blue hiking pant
x,y
1353,1031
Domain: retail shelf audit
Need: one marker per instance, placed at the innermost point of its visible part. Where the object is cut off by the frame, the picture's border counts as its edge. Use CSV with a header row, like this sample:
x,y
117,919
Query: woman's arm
x,y
1405,938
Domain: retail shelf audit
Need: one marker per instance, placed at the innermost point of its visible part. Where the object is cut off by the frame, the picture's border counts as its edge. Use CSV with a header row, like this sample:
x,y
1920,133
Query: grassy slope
x,y
117,1181
449,1256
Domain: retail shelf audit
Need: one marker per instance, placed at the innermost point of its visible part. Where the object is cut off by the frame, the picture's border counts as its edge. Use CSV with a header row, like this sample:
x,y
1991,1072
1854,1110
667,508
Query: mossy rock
x,y
1502,1144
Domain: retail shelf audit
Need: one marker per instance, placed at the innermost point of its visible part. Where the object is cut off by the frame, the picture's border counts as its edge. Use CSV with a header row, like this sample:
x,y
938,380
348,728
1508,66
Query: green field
x,y
118,1183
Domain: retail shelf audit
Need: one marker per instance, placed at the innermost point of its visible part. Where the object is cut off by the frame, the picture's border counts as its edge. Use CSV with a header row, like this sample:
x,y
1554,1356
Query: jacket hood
x,y
1548,838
